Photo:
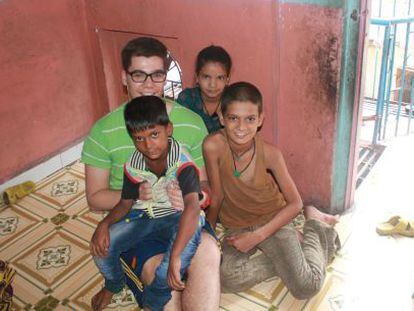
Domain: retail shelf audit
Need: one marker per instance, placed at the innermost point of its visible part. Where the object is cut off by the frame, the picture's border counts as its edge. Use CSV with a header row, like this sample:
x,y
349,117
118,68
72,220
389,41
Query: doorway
x,y
388,88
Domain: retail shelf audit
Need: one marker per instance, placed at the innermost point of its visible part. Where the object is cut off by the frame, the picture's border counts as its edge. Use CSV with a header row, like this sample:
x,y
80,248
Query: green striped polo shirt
x,y
109,146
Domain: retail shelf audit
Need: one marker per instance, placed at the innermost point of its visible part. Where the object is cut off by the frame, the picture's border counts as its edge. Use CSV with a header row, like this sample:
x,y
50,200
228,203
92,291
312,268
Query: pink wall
x,y
310,58
60,54
188,26
48,91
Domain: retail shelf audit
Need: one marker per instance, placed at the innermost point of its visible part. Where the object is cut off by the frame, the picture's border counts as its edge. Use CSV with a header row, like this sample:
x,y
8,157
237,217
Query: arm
x,y
175,196
117,213
192,136
98,194
188,223
174,192
203,177
187,226
98,163
276,164
100,239
211,152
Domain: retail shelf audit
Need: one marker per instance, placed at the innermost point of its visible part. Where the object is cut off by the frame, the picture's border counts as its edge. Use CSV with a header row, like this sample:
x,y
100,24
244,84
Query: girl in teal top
x,y
213,66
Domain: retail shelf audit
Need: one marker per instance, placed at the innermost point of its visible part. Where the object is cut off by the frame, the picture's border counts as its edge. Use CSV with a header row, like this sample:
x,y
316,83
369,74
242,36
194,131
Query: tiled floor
x,y
45,238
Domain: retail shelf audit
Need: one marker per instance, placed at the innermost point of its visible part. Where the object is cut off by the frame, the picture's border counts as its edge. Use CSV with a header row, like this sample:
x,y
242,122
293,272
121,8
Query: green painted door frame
x,y
343,187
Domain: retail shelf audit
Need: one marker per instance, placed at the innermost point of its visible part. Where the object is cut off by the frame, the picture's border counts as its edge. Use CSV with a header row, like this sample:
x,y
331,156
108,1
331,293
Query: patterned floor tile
x,y
79,229
285,301
90,218
17,305
78,167
234,302
20,245
266,292
62,190
80,277
52,259
330,297
31,204
327,296
26,293
63,308
47,303
78,207
48,178
15,223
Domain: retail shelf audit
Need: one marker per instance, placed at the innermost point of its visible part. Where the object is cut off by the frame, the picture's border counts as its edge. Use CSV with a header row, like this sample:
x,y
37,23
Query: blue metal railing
x,y
410,110
386,76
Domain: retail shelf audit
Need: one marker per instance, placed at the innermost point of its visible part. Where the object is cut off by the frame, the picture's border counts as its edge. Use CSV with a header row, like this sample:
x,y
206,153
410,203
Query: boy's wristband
x,y
205,200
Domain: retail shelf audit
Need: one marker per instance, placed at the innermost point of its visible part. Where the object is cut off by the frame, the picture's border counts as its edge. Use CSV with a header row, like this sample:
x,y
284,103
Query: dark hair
x,y
241,91
147,47
213,53
145,112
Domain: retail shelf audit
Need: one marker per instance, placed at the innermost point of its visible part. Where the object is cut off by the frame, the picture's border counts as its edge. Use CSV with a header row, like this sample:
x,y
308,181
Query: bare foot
x,y
101,299
311,212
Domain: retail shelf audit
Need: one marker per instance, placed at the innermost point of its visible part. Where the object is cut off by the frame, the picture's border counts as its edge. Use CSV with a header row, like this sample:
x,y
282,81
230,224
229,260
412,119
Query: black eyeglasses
x,y
139,76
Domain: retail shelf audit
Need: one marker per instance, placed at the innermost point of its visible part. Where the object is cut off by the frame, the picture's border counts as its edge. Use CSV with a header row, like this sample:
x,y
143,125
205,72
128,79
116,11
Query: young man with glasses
x,y
145,62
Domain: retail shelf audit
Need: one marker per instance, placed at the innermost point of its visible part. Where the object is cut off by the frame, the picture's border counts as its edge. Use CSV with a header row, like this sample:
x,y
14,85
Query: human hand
x,y
99,244
244,242
175,195
145,191
173,276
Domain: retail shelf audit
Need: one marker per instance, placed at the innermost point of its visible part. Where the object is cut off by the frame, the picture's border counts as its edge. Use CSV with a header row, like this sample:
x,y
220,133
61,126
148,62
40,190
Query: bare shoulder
x,y
214,142
273,155
271,150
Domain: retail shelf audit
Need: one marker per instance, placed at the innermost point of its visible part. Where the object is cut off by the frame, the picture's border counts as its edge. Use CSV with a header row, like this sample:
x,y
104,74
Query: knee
x,y
305,293
148,270
306,288
231,280
208,253
234,276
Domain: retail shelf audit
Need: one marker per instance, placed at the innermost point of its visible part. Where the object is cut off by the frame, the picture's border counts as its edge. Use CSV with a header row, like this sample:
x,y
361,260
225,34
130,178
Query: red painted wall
x,y
60,54
245,28
48,92
310,59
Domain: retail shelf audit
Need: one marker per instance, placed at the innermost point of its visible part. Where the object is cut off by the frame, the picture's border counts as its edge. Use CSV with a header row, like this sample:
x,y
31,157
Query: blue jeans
x,y
137,227
136,257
